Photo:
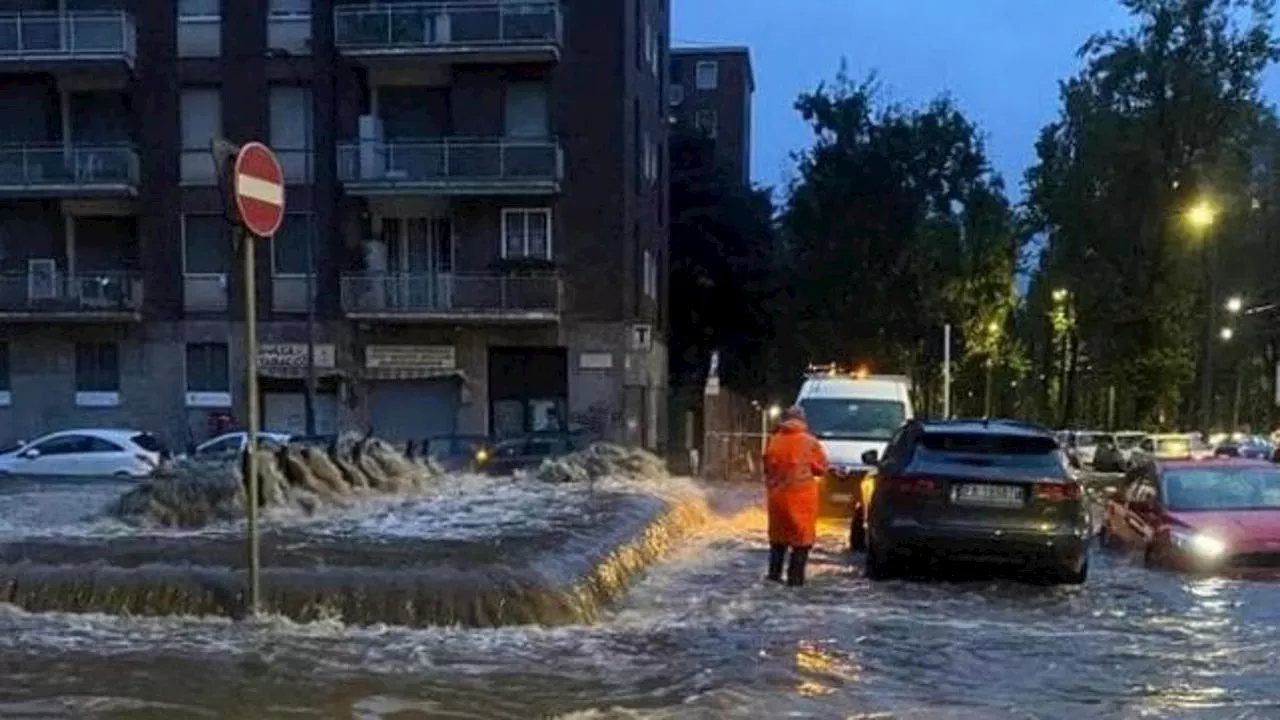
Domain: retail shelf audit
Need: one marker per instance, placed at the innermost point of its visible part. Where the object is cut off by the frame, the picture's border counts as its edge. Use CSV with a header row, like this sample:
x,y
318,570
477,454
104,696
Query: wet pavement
x,y
701,637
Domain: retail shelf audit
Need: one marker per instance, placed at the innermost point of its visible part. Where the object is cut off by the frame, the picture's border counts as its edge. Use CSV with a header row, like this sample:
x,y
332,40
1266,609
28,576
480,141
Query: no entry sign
x,y
259,189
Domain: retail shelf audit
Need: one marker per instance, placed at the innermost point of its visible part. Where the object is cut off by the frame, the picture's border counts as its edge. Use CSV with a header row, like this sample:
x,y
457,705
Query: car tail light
x,y
1058,492
917,486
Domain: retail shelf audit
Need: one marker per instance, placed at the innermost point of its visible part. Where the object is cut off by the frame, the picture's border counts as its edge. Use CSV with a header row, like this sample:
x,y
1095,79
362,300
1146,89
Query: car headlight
x,y
1205,546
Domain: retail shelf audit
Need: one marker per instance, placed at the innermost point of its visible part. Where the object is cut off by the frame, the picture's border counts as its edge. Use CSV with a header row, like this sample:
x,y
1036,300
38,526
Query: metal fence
x,y
445,26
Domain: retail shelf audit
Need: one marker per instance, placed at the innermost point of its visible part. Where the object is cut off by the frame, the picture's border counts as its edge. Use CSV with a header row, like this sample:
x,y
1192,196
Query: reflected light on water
x,y
812,659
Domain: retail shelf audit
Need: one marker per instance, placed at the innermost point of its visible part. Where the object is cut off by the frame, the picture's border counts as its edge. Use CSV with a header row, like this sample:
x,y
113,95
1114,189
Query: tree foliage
x,y
722,276
897,225
1161,116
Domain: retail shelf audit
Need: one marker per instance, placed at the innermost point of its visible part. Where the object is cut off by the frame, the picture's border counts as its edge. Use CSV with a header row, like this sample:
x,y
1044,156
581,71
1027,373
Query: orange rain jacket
x,y
793,462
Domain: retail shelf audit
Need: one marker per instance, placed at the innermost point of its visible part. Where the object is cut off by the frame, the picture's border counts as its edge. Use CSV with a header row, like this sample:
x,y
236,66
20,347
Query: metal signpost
x,y
256,185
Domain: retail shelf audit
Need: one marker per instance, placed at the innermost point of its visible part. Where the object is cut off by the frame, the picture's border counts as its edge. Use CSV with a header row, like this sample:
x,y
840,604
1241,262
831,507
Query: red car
x,y
1216,516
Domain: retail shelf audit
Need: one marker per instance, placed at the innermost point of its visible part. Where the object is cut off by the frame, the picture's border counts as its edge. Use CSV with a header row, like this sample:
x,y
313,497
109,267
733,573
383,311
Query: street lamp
x,y
773,412
1226,333
1235,305
1060,295
1201,215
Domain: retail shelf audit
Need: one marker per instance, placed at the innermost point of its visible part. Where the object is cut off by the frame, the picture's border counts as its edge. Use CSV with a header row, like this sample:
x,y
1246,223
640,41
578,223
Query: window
x,y
199,28
528,114
199,8
526,233
97,375
5,382
290,7
64,445
292,246
206,245
226,445
201,110
707,75
650,275
291,130
706,121
655,47
675,94
637,140
208,375
650,46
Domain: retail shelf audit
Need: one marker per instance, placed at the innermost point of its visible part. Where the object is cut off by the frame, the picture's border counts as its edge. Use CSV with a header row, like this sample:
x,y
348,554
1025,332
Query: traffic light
x,y
224,154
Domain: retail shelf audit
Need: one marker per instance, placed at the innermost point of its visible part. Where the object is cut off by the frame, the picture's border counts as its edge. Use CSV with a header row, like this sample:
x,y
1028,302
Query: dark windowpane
x,y
4,367
97,367
206,245
291,244
207,368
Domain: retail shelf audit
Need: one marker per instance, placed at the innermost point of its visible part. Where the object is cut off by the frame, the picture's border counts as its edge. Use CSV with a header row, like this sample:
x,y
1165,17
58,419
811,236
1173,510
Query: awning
x,y
294,372
394,373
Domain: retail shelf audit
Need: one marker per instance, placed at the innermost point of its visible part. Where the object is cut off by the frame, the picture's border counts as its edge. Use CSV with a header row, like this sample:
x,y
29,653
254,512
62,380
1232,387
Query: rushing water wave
x,y
701,637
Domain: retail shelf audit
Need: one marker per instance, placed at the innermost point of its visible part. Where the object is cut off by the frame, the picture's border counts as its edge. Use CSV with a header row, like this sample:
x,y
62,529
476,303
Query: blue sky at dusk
x,y
999,59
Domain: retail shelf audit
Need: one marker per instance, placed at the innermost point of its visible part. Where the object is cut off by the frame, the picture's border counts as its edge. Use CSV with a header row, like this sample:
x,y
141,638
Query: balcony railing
x,y
81,294
204,292
492,26
74,35
289,293
68,167
452,295
452,166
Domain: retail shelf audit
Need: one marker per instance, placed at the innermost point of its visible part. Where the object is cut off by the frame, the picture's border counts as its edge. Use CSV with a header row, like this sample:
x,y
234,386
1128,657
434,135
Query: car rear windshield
x,y
1020,451
1248,488
148,442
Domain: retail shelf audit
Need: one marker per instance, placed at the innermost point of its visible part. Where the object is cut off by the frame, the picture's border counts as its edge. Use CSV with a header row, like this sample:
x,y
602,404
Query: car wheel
x,y
857,531
1073,574
880,565
122,474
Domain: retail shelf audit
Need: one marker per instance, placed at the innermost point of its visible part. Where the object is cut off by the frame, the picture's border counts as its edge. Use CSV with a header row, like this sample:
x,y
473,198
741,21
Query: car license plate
x,y
841,497
987,495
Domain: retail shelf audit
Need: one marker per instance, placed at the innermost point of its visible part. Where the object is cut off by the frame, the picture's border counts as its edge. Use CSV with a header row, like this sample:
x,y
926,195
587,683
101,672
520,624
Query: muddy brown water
x,y
700,637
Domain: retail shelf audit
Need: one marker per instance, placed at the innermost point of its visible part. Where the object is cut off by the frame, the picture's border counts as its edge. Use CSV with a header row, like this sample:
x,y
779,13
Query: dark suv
x,y
976,490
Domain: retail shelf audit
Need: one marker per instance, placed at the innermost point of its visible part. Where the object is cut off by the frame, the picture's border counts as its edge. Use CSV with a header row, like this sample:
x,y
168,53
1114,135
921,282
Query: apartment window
x,y
707,74
292,246
528,113
5,382
199,28
208,375
640,24
655,52
650,275
206,245
289,26
291,130
650,46
97,375
201,110
706,121
526,233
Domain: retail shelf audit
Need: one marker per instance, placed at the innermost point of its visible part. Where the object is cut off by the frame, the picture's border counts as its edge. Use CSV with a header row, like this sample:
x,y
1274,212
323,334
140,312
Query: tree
x,y
1160,116
897,225
721,276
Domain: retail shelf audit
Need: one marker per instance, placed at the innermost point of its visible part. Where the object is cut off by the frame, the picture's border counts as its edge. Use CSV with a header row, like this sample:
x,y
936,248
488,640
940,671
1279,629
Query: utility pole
x,y
946,371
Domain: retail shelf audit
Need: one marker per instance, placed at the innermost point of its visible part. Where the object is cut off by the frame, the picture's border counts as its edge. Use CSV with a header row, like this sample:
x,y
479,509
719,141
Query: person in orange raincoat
x,y
793,462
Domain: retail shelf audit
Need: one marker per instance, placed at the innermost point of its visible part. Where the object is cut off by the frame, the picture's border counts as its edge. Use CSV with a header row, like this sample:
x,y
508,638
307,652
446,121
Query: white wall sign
x,y
6,398
595,361
97,399
411,357
208,399
295,355
642,337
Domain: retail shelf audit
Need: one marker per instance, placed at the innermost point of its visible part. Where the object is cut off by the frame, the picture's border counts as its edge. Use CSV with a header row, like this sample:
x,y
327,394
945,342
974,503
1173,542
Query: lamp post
x,y
309,400
993,328
773,412
1201,217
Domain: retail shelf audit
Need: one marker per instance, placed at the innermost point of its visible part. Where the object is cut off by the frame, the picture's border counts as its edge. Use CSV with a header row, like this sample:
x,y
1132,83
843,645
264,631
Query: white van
x,y
851,414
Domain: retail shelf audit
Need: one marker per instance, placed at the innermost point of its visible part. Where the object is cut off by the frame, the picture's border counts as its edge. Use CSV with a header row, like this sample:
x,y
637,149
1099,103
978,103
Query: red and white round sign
x,y
259,189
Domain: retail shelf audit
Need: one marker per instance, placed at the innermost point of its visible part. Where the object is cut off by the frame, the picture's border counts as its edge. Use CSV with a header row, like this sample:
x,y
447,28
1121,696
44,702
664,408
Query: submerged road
x,y
701,637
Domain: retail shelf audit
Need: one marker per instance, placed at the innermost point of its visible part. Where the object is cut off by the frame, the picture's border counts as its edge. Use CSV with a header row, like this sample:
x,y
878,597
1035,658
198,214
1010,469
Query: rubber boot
x,y
777,556
795,568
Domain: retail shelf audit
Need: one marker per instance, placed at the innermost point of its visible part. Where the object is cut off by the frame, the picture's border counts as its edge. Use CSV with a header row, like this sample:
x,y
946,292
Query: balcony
x,y
494,31
72,41
55,170
204,292
452,166
289,293
114,296
452,297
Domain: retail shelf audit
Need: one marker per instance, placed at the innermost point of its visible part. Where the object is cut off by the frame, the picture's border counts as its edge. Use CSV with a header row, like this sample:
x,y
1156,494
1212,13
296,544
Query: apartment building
x,y
476,214
710,92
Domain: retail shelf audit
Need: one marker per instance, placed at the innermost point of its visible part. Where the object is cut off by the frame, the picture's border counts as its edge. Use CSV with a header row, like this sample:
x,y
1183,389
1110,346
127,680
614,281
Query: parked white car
x,y
89,452
230,445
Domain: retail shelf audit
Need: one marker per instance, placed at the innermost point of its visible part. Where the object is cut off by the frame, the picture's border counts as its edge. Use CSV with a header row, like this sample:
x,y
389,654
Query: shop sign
x,y
294,355
411,357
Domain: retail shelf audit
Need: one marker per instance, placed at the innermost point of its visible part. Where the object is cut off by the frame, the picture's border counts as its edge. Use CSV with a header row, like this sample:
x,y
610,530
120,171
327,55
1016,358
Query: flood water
x,y
700,637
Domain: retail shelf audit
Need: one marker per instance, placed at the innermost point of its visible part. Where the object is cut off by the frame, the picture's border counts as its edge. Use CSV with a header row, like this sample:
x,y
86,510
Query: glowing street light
x,y
1060,295
1202,214
993,327
775,412
1235,305
1226,333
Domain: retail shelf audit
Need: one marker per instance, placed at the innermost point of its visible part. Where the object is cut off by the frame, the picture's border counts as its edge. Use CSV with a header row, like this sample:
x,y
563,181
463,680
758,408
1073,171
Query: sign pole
x,y
946,371
248,247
